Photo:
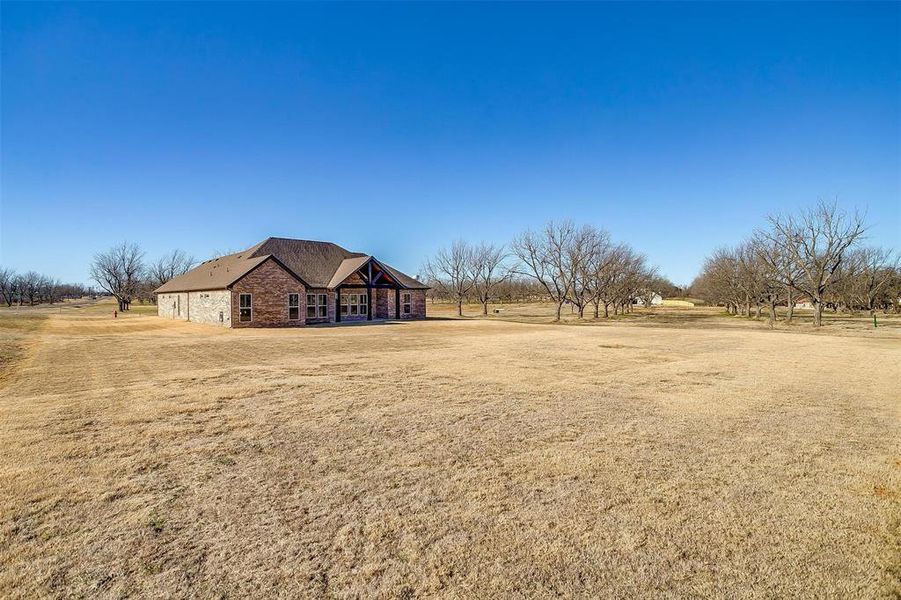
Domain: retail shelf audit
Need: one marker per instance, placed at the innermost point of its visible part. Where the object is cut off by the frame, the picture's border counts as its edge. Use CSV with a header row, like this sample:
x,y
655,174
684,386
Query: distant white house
x,y
656,300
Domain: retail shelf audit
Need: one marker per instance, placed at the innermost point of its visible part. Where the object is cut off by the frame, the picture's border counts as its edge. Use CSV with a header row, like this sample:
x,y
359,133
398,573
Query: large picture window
x,y
245,308
317,306
354,304
293,307
406,303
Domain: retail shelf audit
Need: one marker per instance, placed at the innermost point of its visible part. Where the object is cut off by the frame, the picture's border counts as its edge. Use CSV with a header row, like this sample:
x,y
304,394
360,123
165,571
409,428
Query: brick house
x,y
287,283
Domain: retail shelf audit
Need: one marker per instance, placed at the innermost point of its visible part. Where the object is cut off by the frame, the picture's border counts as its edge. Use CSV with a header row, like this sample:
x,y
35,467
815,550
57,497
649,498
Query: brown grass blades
x,y
448,458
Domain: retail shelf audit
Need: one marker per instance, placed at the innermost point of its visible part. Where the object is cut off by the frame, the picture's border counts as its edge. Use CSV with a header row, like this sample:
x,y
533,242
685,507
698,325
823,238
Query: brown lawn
x,y
679,454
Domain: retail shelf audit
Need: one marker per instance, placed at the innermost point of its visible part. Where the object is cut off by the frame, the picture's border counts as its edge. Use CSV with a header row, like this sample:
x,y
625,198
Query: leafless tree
x,y
8,281
48,289
816,242
586,251
119,271
780,271
892,294
633,280
603,270
169,266
751,277
29,286
718,282
451,271
487,271
875,269
545,256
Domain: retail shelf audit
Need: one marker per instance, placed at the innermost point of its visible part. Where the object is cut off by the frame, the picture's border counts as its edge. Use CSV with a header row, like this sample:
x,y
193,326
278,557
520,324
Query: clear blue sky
x,y
394,128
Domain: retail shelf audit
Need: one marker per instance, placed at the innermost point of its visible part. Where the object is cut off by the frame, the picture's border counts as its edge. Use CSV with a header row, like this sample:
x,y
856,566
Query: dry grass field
x,y
676,453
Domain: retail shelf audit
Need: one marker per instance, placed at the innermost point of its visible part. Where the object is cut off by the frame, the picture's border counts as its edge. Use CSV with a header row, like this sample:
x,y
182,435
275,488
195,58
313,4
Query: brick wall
x,y
270,285
418,304
384,303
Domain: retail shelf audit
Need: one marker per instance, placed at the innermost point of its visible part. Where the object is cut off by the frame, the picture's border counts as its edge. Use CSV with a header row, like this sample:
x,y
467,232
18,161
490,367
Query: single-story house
x,y
285,283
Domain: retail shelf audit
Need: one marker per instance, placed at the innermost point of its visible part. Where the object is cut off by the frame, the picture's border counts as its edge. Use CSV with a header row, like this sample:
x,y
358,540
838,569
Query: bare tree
x,y
49,288
816,242
718,282
29,286
451,270
169,266
780,271
545,257
750,277
875,270
603,269
118,271
585,251
8,281
487,271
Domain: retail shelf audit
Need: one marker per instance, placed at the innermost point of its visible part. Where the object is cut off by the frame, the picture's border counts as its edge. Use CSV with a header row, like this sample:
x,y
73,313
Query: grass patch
x,y
156,523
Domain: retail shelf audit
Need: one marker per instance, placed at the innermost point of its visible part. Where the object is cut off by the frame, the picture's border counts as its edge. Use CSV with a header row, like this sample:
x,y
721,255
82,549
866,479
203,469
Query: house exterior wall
x,y
418,304
207,306
384,303
270,285
173,306
346,291
331,306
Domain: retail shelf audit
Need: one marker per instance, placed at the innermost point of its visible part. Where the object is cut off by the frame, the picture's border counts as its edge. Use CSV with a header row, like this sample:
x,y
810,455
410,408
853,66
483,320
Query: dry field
x,y
672,454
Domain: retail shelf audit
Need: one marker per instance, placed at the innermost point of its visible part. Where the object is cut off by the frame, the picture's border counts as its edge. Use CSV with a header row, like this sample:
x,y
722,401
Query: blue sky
x,y
395,128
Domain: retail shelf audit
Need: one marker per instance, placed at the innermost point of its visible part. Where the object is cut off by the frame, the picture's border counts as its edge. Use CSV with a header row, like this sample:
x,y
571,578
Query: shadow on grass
x,y
373,323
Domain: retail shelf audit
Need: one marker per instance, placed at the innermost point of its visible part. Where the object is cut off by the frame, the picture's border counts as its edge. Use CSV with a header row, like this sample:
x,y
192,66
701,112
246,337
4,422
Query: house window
x,y
407,303
354,304
293,307
317,306
245,307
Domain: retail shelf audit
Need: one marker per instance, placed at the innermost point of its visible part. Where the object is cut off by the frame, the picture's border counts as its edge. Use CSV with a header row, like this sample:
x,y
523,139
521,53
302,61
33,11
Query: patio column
x,y
371,304
337,305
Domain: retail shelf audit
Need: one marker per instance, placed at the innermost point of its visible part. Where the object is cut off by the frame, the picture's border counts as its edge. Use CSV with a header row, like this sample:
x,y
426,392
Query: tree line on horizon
x,y
34,288
120,272
565,263
815,255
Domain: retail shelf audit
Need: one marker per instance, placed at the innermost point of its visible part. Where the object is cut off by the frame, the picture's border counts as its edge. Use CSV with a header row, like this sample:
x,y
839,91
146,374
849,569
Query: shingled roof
x,y
315,263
